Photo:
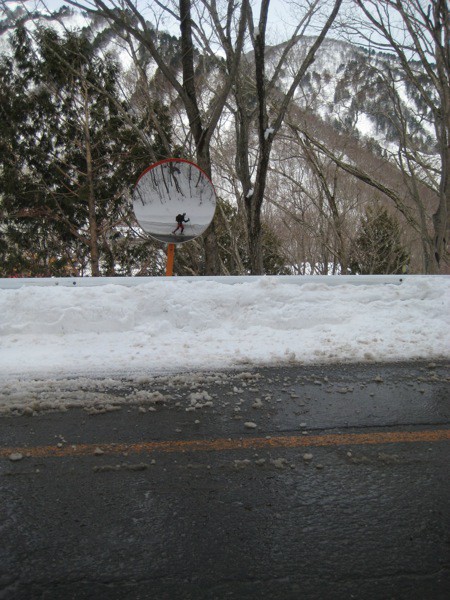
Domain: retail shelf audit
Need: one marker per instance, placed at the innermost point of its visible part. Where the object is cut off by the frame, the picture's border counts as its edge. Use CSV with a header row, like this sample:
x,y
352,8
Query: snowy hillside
x,y
348,87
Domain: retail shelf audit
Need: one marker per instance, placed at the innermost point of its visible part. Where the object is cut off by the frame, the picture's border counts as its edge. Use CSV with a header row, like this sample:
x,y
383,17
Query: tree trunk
x,y
442,214
212,262
267,130
93,229
254,236
441,37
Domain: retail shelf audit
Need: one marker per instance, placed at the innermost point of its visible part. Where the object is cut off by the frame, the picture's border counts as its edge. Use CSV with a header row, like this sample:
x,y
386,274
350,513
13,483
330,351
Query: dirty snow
x,y
54,341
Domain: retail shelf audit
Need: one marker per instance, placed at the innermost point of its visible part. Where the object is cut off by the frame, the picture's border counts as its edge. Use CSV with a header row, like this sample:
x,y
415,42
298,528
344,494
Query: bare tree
x,y
419,34
316,202
256,103
229,28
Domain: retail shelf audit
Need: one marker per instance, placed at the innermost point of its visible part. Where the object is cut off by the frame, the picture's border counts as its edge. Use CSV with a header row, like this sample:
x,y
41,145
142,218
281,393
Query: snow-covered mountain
x,y
347,86
357,90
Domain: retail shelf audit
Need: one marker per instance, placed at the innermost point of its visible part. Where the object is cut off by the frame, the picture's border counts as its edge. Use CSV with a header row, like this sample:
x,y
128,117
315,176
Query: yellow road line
x,y
223,444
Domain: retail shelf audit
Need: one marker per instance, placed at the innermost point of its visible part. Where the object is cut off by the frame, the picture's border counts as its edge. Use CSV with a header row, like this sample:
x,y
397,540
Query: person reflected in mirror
x,y
180,219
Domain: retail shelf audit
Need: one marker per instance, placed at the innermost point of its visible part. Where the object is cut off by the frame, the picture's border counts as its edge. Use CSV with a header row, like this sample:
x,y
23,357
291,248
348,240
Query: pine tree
x,y
378,248
70,155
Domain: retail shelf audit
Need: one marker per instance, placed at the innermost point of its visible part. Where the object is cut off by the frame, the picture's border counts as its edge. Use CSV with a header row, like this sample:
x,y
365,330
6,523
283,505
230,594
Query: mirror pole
x,y
170,257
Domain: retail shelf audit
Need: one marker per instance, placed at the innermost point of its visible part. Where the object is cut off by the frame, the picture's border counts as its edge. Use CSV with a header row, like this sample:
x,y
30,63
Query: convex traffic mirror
x,y
174,201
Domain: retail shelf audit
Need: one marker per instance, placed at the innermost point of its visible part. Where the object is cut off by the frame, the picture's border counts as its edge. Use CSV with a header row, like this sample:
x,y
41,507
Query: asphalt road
x,y
279,483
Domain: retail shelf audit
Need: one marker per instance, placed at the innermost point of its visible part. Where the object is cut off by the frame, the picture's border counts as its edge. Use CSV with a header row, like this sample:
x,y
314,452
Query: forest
x,y
324,127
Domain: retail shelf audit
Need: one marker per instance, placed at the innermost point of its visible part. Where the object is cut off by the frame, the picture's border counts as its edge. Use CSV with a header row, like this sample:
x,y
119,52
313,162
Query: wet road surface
x,y
284,483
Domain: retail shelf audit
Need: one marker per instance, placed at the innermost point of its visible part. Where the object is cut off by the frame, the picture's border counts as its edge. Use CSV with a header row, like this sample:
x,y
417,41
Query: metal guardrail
x,y
15,283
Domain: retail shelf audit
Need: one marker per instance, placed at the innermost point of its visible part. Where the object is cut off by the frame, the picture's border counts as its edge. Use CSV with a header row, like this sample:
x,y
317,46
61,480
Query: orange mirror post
x,y
170,257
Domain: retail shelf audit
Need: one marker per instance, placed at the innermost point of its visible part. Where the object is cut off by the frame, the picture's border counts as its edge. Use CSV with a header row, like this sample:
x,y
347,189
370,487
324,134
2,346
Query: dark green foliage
x,y
65,144
378,248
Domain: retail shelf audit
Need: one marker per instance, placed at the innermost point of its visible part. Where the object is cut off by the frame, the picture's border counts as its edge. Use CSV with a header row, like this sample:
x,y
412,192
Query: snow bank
x,y
186,326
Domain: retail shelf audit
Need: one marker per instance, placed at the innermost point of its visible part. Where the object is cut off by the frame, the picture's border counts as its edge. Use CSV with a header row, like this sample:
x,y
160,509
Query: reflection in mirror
x,y
174,201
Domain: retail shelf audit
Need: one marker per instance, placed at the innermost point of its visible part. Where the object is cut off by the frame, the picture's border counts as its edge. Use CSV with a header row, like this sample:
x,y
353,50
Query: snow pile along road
x,y
177,325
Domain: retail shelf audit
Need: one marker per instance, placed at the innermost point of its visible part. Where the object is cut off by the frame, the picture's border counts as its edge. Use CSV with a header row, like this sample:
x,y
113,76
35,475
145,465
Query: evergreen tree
x,y
378,248
69,157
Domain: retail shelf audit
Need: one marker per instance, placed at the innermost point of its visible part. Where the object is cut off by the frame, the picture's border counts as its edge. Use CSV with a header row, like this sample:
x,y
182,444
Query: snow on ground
x,y
51,335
